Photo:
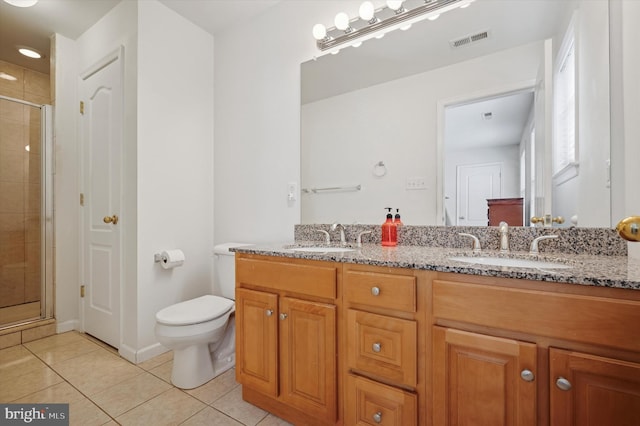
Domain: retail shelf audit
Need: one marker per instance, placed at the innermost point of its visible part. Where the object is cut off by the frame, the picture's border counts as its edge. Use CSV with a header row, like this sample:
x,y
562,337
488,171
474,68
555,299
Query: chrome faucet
x,y
534,244
476,241
504,237
327,237
359,241
335,226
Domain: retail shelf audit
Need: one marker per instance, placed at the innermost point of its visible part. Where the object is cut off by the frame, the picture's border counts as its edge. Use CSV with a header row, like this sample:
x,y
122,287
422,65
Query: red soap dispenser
x,y
396,219
389,231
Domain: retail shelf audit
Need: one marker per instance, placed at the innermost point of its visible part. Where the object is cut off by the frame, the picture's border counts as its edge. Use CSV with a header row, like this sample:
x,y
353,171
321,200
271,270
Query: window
x,y
565,144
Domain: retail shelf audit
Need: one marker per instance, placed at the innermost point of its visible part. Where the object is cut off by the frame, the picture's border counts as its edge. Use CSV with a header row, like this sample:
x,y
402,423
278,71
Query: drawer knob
x,y
269,312
375,291
377,417
527,375
377,347
283,316
563,384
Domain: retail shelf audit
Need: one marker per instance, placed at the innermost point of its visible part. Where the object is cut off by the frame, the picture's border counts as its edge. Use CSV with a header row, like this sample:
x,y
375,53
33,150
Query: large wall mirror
x,y
504,100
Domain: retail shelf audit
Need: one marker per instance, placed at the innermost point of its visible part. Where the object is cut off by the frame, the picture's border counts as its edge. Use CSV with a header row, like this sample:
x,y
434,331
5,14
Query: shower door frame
x,y
46,211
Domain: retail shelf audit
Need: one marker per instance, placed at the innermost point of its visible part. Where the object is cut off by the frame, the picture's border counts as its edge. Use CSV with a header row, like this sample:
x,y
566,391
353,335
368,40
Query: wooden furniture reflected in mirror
x,y
505,209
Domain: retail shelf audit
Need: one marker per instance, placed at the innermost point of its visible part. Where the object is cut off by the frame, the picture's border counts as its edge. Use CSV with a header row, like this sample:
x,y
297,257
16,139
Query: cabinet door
x,y
483,380
257,340
308,357
592,391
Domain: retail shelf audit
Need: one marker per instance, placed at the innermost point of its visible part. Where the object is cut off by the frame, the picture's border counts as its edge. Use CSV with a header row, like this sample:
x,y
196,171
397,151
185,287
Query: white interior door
x,y
476,184
101,140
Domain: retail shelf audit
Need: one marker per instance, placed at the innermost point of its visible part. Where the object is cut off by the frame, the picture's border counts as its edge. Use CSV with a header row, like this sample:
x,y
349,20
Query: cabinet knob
x,y
269,312
377,417
375,291
527,375
376,347
563,384
283,316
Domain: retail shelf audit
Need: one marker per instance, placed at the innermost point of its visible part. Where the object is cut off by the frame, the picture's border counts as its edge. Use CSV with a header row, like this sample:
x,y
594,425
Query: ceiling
x,y
33,26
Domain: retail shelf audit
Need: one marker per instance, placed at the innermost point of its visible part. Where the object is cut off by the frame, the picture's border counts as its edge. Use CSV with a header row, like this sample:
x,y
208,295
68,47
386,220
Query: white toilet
x,y
201,331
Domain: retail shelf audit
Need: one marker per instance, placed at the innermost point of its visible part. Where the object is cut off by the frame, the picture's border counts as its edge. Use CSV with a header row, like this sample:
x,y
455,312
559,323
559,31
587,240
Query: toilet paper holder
x,y
157,257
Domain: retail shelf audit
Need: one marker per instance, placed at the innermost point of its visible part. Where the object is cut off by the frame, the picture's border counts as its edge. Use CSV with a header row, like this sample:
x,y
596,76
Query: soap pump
x,y
389,231
396,219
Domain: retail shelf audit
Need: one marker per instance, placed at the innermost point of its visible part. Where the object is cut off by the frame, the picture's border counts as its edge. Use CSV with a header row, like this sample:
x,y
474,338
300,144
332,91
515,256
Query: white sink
x,y
322,249
512,263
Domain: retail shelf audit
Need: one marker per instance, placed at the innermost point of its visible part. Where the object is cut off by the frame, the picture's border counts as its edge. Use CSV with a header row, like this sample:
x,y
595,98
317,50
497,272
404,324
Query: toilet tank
x,y
225,269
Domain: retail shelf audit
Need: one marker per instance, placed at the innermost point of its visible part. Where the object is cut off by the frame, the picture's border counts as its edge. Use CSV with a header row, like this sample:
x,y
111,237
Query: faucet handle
x,y
534,244
327,237
476,241
360,234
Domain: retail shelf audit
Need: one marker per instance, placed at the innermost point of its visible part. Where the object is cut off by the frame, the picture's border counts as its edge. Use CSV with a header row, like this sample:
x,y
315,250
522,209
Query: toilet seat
x,y
195,311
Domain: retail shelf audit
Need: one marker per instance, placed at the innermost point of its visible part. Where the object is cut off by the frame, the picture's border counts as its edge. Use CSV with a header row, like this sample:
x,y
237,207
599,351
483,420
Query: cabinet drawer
x,y
388,291
370,403
312,279
382,346
587,319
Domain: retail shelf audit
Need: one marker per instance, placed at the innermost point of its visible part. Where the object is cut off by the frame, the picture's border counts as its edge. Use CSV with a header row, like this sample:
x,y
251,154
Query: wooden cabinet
x,y
483,380
592,390
518,352
383,315
286,343
505,209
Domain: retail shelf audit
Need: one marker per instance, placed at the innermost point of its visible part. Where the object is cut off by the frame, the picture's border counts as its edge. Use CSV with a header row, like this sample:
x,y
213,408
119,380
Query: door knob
x,y
527,375
283,316
111,219
563,384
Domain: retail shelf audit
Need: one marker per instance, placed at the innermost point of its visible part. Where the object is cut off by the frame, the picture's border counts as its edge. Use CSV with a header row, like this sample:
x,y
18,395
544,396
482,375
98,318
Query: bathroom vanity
x,y
407,336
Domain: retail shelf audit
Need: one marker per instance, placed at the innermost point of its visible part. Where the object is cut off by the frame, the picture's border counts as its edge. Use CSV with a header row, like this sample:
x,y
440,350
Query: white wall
x,y
363,124
631,103
257,116
167,163
66,210
175,154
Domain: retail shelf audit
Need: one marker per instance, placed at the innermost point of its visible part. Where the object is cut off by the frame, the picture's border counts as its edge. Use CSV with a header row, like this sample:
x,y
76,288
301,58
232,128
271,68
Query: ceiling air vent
x,y
468,39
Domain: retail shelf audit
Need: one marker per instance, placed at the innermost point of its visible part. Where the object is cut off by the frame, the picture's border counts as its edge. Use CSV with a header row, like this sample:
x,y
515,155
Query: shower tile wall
x,y
20,274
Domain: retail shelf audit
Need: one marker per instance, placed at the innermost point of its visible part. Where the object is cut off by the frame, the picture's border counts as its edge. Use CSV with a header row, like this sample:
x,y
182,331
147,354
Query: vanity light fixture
x,y
375,23
21,3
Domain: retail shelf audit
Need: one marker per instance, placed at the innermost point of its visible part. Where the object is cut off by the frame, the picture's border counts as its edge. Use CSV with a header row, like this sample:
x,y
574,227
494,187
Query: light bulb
x,y
465,5
406,27
341,21
319,31
22,3
434,17
379,36
357,44
394,4
366,11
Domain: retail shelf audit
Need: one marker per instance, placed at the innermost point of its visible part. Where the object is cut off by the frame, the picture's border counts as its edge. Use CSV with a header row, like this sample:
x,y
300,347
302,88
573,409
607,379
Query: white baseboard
x,y
143,354
63,327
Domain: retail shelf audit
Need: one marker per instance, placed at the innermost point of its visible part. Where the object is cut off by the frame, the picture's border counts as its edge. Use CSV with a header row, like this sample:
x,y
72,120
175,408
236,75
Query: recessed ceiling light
x,y
5,76
22,3
29,52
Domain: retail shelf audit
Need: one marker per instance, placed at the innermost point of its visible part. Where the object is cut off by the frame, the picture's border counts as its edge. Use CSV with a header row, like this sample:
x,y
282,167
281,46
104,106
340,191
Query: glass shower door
x,y
25,212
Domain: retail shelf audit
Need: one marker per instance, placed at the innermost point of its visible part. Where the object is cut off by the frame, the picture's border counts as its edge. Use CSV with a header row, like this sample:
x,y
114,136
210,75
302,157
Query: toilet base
x,y
192,367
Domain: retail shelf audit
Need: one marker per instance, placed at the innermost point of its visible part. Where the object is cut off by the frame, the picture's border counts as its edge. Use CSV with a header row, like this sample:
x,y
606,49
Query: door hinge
x,y
82,291
81,199
82,107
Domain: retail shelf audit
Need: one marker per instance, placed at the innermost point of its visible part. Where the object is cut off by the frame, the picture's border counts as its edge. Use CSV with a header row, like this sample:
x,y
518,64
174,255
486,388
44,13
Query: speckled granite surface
x,y
597,256
594,241
593,270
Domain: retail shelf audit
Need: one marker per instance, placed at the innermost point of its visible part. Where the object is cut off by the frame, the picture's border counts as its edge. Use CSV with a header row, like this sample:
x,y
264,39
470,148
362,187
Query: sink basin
x,y
322,249
512,263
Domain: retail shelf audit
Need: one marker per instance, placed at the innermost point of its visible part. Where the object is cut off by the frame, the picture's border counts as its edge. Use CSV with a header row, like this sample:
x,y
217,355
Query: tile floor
x,y
105,389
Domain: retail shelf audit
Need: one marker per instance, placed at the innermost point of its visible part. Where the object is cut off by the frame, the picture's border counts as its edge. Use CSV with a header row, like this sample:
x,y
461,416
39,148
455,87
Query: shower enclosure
x,y
26,212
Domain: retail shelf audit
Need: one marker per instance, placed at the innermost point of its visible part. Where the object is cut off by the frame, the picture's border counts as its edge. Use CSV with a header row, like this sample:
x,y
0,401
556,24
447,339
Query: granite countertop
x,y
592,270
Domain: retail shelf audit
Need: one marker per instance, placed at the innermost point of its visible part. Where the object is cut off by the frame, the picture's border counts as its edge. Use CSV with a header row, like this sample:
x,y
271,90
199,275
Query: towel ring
x,y
379,169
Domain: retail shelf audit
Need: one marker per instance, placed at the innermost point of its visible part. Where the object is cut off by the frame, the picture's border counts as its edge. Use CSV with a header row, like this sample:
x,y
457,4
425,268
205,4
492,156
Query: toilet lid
x,y
194,311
